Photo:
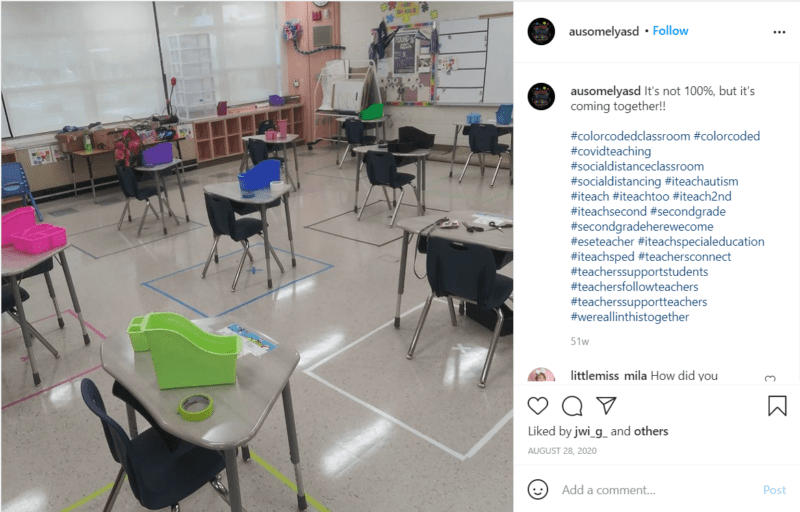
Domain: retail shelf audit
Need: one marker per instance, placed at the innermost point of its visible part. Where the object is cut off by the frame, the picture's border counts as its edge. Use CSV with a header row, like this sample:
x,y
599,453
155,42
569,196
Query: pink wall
x,y
304,68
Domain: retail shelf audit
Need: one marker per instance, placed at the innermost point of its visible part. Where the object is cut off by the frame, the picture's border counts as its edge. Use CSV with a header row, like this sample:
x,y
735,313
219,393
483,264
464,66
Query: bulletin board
x,y
406,75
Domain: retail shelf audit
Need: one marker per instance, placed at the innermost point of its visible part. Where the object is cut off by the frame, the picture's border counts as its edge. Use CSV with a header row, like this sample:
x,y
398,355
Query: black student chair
x,y
133,190
356,134
468,273
159,476
382,172
483,138
223,221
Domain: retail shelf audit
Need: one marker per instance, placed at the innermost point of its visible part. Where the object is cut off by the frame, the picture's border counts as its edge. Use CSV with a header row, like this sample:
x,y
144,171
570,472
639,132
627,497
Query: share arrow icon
x,y
607,402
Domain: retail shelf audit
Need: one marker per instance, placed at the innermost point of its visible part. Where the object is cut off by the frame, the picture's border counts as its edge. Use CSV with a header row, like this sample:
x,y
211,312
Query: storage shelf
x,y
218,137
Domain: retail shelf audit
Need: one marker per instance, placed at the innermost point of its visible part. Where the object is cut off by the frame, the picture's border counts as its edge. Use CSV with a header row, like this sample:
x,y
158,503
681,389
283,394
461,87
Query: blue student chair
x,y
382,172
483,139
15,183
159,477
222,218
133,190
468,273
356,134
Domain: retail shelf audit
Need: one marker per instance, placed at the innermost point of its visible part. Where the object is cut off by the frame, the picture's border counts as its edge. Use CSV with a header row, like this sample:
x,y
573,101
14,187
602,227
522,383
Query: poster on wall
x,y
40,156
406,74
405,53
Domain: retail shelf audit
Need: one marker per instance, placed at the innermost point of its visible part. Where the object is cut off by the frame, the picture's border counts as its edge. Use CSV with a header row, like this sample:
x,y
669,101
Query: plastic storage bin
x,y
17,221
503,114
39,238
185,355
473,118
260,176
159,154
138,338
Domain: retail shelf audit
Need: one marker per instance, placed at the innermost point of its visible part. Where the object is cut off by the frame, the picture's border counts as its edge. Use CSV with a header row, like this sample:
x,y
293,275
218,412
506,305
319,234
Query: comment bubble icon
x,y
572,406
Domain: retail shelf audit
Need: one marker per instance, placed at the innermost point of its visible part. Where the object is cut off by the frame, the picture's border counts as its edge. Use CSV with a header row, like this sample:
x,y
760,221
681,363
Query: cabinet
x,y
218,137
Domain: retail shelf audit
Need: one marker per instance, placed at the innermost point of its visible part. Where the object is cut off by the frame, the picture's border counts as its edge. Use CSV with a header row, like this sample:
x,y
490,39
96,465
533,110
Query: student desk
x,y
88,155
421,157
16,263
462,124
372,123
239,409
491,238
290,139
230,190
158,170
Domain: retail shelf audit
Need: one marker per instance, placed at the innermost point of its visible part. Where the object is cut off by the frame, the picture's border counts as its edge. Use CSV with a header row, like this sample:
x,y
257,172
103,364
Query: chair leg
x,y
125,209
212,253
247,251
35,206
399,201
496,171
36,334
465,167
452,311
241,264
497,328
52,291
144,216
386,195
112,498
483,163
275,255
175,508
154,209
346,151
422,318
365,201
216,255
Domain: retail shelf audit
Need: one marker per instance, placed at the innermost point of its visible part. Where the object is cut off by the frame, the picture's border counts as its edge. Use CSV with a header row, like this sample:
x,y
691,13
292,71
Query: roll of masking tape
x,y
276,185
196,407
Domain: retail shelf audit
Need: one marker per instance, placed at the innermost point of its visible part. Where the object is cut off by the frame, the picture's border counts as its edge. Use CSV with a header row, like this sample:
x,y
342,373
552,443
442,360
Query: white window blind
x,y
73,63
221,51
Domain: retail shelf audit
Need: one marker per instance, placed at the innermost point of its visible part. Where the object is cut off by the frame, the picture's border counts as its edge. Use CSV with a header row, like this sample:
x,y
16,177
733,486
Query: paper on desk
x,y
486,218
252,343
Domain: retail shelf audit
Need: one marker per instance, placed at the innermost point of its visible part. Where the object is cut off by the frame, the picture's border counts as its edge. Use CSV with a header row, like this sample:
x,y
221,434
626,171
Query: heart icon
x,y
537,405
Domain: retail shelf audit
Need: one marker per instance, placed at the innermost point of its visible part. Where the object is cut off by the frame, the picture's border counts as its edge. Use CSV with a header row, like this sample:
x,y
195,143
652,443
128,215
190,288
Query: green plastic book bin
x,y
186,356
138,338
372,112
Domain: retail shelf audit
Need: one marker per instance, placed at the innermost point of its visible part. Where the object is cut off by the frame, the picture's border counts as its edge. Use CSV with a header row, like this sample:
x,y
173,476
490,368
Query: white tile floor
x,y
376,431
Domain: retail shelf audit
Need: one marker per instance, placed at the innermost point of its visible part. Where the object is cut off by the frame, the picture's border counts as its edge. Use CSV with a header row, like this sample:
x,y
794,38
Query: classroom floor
x,y
377,432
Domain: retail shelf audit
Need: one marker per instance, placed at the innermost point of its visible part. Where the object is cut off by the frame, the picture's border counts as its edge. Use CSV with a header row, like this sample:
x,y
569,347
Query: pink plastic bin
x,y
39,238
16,222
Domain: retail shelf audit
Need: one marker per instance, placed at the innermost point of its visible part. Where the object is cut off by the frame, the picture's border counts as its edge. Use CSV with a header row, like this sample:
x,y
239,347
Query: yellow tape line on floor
x,y
261,462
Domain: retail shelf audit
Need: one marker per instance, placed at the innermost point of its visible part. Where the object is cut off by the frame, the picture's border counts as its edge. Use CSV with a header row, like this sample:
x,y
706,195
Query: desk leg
x,y
91,176
161,204
71,286
183,198
402,279
132,428
419,187
286,168
23,325
289,228
166,197
72,168
453,158
424,182
180,155
358,179
294,450
244,161
296,169
266,243
511,158
52,291
338,136
234,493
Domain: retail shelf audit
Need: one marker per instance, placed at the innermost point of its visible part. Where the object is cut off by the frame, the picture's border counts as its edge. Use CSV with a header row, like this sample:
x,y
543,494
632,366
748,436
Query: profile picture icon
x,y
541,96
541,31
541,375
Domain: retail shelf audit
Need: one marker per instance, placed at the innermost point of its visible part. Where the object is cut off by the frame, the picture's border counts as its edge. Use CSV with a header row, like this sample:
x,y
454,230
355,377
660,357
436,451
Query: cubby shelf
x,y
218,137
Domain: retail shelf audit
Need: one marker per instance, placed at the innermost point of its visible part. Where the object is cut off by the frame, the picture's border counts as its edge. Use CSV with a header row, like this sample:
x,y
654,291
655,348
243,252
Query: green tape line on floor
x,y
90,497
291,485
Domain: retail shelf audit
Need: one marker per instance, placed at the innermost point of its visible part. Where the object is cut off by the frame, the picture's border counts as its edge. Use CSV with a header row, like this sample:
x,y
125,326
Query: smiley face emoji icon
x,y
537,489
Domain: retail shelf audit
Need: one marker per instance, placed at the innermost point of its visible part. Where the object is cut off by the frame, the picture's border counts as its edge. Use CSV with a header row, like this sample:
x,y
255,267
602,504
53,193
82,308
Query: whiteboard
x,y
481,60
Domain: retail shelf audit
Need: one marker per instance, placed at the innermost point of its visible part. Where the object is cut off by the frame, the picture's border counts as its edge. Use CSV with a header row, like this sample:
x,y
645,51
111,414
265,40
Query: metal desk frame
x,y
230,190
16,263
162,185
